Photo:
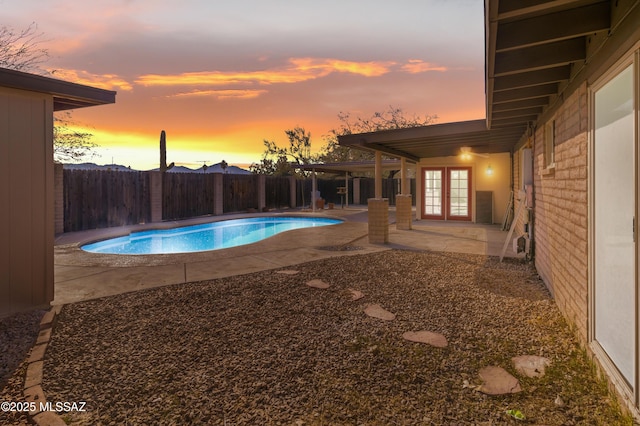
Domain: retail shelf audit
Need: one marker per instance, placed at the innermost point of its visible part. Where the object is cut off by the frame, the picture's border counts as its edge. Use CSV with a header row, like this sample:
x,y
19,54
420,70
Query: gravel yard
x,y
266,348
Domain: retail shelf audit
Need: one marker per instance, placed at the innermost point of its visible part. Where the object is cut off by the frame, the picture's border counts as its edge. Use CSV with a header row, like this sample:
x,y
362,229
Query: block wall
x,y
561,210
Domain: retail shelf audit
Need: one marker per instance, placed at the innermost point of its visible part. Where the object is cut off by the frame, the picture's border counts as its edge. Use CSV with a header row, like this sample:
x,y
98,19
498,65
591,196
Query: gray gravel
x,y
18,333
266,348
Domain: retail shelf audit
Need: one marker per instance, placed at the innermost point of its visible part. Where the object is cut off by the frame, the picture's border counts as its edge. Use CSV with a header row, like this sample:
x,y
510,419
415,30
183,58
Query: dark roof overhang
x,y
535,49
66,95
437,140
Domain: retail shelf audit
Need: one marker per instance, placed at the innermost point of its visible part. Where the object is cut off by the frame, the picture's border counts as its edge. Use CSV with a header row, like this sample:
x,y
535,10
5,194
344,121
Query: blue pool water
x,y
208,236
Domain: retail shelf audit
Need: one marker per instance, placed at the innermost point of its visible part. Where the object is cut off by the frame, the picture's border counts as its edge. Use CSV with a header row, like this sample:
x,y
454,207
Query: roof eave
x,y
66,95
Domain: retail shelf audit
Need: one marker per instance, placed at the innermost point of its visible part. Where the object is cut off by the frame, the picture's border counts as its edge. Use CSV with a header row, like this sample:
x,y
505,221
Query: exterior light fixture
x,y
466,153
489,170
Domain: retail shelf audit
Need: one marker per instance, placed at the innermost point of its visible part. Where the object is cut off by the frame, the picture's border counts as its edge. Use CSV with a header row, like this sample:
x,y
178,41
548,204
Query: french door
x,y
446,193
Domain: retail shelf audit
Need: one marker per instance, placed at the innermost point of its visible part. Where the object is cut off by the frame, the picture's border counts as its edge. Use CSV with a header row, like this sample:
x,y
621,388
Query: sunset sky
x,y
221,76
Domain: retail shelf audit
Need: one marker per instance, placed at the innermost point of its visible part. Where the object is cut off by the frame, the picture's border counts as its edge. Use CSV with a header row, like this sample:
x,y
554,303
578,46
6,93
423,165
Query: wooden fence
x,y
99,199
187,195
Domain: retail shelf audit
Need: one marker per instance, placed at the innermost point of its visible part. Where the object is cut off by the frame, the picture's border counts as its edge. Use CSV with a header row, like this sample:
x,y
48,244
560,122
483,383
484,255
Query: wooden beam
x,y
516,113
532,78
539,57
520,104
562,25
391,151
511,9
526,93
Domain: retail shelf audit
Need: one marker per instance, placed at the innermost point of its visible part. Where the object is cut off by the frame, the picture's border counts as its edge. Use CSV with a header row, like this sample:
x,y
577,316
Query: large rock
x,y
497,381
428,337
377,311
318,284
531,365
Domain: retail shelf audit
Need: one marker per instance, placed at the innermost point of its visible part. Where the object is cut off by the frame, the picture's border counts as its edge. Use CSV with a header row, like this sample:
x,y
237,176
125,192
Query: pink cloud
x,y
102,81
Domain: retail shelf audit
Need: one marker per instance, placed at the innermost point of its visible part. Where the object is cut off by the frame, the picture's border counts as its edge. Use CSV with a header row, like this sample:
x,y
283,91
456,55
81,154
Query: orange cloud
x,y
102,81
299,69
222,94
326,66
415,66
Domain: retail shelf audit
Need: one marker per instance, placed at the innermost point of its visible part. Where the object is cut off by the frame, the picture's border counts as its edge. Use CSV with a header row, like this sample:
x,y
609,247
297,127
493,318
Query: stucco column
x,y
356,190
218,194
378,175
155,197
404,182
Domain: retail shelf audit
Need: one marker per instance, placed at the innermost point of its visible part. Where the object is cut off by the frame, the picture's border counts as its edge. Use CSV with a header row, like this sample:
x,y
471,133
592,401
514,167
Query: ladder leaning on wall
x,y
521,204
508,214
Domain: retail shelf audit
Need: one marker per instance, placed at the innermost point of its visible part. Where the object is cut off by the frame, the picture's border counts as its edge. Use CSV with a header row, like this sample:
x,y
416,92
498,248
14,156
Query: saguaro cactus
x,y
163,151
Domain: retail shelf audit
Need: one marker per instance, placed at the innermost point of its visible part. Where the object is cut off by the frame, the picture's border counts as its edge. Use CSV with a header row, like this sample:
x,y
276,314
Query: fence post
x,y
155,196
262,192
58,182
293,190
218,194
356,190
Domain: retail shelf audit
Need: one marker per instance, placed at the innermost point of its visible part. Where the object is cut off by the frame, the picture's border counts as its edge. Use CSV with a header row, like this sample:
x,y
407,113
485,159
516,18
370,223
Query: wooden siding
x,y
26,187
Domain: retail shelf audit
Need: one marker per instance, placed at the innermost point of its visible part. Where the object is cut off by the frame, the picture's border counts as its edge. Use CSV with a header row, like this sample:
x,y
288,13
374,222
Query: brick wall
x,y
378,218
561,236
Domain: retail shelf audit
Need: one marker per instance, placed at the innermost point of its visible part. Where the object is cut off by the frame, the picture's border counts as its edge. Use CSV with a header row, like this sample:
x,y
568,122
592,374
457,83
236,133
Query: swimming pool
x,y
205,237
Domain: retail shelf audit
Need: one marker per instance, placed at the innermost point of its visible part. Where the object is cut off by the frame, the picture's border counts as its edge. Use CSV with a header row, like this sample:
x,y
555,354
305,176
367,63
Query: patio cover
x,y
437,140
348,166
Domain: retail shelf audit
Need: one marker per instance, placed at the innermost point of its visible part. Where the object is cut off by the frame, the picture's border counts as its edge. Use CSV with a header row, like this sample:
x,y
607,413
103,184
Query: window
x,y
549,144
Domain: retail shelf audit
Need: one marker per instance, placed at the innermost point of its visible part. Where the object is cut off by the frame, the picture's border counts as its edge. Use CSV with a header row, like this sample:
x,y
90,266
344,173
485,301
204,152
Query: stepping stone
x,y
531,365
318,284
356,294
377,311
287,272
428,337
497,381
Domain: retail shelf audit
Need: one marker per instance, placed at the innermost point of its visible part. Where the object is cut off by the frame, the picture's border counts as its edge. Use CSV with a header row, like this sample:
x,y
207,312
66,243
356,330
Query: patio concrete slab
x,y
82,276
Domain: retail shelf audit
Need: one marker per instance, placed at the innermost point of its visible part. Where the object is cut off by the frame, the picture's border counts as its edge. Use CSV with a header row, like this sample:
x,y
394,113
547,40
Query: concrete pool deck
x,y
82,276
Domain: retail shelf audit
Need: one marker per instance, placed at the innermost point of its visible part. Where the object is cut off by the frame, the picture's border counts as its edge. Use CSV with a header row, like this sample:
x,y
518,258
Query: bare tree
x,y
69,144
392,118
23,51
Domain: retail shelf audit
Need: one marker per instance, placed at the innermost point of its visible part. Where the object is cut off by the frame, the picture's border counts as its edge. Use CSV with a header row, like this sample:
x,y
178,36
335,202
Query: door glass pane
x,y
459,195
613,237
433,192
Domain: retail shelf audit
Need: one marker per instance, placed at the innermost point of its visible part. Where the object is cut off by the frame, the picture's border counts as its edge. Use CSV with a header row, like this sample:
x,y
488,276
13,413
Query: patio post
x,y
346,186
403,200
314,188
378,175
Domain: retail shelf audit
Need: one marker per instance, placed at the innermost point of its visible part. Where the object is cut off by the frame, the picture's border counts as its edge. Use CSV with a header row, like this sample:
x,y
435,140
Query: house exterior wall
x,y
26,191
561,210
499,182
